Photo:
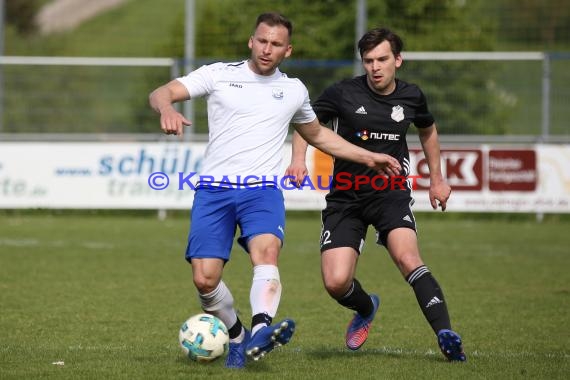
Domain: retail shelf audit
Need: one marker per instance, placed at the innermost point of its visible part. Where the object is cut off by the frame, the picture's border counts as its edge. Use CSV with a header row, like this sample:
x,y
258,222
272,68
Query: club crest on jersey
x,y
397,113
362,134
277,92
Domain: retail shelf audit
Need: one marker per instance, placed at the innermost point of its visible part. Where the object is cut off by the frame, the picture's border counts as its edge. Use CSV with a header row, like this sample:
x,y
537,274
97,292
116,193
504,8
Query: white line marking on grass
x,y
97,245
18,242
105,347
521,354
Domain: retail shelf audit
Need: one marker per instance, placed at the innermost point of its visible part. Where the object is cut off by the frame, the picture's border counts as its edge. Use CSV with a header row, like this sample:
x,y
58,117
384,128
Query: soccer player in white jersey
x,y
250,106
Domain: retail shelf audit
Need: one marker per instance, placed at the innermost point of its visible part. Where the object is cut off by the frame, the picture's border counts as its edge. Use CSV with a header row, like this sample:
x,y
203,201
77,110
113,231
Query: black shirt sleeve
x,y
327,105
423,118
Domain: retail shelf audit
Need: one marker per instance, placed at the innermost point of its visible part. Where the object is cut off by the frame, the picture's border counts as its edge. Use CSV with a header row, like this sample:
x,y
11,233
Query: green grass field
x,y
106,294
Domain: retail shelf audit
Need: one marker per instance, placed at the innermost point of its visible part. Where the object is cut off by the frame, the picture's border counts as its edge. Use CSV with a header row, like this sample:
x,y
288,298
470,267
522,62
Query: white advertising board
x,y
93,175
160,176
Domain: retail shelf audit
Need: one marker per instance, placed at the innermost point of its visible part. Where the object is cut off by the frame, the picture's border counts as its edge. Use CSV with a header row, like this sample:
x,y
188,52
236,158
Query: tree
x,y
465,98
21,14
543,24
324,30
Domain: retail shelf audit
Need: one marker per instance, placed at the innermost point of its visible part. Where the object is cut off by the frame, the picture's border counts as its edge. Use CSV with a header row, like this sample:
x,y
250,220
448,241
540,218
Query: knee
x,y
267,256
336,286
271,253
205,284
408,262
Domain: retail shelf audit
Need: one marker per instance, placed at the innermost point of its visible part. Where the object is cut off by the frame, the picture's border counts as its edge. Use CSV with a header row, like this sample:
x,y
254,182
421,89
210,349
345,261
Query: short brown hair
x,y
374,37
273,19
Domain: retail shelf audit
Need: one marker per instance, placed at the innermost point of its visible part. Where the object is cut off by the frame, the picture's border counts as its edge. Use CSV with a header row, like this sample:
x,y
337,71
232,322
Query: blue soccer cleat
x,y
236,355
357,331
450,345
269,337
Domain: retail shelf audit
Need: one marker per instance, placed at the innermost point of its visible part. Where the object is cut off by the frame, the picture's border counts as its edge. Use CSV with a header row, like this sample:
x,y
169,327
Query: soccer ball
x,y
203,338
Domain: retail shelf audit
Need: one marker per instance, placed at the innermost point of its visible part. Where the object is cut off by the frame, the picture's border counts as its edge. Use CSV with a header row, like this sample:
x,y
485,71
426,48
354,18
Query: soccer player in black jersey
x,y
374,111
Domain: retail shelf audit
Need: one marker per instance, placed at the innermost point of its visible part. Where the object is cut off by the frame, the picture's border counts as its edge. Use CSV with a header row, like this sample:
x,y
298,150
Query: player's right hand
x,y
172,122
386,165
296,171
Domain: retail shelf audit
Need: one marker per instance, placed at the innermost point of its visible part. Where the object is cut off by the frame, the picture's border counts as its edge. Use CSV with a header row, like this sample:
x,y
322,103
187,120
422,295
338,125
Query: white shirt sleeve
x,y
305,114
201,81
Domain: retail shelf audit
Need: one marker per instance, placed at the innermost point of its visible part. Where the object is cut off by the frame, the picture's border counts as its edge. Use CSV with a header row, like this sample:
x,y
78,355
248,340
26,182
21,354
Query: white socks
x,y
265,292
220,303
264,297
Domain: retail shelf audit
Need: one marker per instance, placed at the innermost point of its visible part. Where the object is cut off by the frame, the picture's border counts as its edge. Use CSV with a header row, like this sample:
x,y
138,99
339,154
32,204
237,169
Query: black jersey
x,y
378,123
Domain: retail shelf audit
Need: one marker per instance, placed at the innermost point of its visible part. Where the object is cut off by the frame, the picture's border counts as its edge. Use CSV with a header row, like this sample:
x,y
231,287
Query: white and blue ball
x,y
204,337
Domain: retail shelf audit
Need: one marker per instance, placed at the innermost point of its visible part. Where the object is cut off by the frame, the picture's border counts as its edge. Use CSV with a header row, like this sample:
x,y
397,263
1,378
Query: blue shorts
x,y
217,213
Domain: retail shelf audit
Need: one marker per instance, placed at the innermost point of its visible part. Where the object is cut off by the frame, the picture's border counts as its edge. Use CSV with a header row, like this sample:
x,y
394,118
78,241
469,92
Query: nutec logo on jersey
x,y
277,92
362,134
366,135
397,113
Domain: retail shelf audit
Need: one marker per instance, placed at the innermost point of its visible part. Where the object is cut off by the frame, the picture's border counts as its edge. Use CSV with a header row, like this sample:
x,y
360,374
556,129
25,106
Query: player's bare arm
x,y
329,142
162,99
439,189
298,167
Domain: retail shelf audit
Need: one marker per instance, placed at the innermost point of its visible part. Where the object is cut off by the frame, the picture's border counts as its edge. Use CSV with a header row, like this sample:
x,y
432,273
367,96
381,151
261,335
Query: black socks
x,y
357,299
430,298
235,330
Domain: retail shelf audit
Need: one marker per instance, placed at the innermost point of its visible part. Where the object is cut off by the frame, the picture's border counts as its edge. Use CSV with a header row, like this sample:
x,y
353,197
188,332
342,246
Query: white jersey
x,y
248,120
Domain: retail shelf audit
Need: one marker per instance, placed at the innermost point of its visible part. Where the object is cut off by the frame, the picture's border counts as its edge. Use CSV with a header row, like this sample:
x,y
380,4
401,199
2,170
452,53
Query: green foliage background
x,y
474,100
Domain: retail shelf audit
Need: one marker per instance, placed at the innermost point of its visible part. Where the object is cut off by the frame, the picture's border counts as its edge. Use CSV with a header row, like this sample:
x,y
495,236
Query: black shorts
x,y
345,221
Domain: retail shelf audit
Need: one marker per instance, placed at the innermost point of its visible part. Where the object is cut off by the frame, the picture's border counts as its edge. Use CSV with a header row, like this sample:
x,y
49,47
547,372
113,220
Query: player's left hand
x,y
439,192
298,171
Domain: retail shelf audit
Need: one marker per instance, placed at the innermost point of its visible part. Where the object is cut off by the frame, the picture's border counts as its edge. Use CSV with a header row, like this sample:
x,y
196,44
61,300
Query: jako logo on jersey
x,y
397,113
365,135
